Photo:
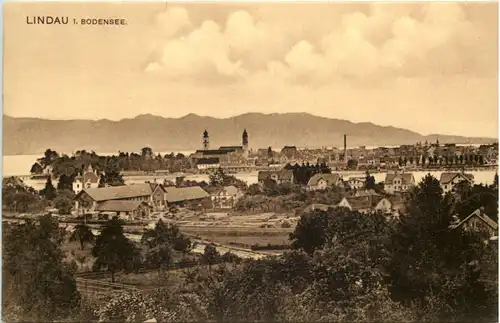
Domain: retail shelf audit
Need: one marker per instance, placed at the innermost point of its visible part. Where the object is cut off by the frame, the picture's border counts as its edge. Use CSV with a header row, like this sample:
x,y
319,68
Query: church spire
x,y
206,140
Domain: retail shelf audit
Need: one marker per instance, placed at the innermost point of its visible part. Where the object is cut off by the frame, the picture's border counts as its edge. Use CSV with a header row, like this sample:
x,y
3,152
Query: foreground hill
x,y
31,135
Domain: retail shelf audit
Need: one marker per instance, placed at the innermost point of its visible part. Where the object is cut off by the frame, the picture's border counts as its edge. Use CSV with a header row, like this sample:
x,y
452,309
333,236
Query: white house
x,y
90,179
356,183
384,206
398,182
362,204
226,197
207,165
324,181
449,180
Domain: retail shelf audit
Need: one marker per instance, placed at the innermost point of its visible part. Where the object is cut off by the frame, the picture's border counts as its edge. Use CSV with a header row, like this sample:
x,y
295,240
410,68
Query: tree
x,y
179,181
114,252
146,153
210,255
253,189
111,176
49,191
217,178
48,158
310,232
64,201
36,168
83,234
166,234
429,263
369,181
352,164
65,182
158,246
36,281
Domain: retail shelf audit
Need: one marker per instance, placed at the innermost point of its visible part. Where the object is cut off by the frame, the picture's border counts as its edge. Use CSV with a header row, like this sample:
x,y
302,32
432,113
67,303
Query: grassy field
x,y
248,240
236,231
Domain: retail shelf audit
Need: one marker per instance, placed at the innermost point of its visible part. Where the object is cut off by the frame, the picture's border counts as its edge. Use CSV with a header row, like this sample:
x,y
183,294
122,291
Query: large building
x,y
225,154
89,179
92,199
136,199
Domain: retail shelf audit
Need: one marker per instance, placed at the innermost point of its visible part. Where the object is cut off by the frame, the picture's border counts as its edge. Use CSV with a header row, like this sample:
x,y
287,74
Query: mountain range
x,y
34,136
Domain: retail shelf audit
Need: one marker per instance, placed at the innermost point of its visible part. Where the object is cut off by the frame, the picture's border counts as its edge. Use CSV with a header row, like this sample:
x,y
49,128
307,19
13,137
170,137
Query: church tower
x,y
206,142
244,143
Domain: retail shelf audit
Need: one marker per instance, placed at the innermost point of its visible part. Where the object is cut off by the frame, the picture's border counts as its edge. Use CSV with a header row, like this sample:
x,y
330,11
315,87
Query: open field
x,y
246,241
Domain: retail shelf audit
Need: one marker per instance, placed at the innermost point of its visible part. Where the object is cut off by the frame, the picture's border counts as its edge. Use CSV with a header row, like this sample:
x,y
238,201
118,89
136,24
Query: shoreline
x,y
165,174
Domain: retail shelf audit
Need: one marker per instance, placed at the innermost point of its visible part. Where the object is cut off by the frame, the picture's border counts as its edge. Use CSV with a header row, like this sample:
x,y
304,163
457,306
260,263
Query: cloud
x,y
172,20
202,54
385,40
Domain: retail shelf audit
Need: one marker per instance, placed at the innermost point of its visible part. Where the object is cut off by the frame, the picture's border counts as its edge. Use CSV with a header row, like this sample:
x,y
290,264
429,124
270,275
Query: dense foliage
x,y
345,267
37,285
113,251
66,168
285,198
20,198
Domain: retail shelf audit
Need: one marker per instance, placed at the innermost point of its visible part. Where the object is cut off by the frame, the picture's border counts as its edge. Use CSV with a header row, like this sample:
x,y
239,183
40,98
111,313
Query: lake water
x,y
13,165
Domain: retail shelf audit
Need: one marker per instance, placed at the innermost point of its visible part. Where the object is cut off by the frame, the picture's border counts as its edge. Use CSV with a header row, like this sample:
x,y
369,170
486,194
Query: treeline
x,y
109,166
302,173
467,159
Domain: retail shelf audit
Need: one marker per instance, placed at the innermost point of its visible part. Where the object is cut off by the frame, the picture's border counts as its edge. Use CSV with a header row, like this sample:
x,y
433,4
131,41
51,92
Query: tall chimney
x,y
345,147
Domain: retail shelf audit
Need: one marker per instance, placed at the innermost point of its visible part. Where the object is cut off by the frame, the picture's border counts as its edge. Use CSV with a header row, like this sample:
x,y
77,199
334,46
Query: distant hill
x,y
31,135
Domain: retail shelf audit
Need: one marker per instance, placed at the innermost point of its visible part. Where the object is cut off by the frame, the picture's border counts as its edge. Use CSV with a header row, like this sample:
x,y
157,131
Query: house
x,y
317,207
125,209
183,196
281,176
393,205
225,197
89,199
324,181
477,221
384,206
356,183
89,179
366,192
361,204
398,182
398,205
449,179
205,165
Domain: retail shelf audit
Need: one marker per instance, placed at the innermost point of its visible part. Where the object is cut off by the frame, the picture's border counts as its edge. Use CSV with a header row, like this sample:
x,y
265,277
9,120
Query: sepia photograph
x,y
250,162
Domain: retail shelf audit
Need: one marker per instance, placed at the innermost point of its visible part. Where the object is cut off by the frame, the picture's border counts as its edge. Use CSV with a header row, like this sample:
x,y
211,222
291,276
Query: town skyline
x,y
419,66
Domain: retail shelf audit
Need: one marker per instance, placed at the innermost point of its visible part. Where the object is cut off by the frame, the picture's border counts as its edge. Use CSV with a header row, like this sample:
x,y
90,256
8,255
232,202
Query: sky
x,y
428,67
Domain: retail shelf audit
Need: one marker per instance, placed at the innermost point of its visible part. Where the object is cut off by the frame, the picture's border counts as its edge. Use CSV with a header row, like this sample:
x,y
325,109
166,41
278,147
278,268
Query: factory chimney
x,y
345,148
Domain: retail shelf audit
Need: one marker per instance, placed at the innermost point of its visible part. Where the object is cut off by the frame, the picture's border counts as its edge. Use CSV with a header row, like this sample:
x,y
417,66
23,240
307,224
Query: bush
x,y
286,224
